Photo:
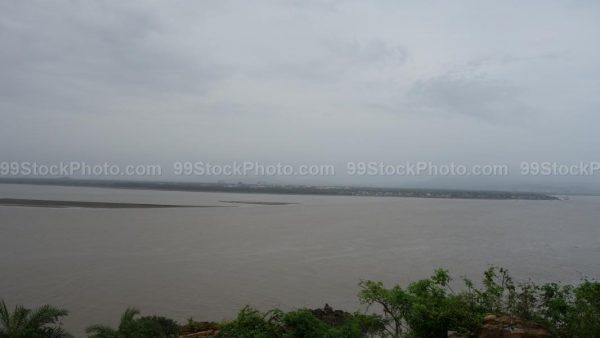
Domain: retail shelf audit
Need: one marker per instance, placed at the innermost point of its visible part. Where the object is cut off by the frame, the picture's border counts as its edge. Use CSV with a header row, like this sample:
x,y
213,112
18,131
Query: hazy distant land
x,y
286,189
258,202
82,204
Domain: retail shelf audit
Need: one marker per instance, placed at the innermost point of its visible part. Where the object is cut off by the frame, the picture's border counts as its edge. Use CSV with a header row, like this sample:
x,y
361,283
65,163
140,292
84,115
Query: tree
x,y
427,308
43,322
132,326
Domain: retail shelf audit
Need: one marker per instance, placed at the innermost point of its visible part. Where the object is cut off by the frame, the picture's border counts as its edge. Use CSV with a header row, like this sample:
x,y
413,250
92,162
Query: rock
x,y
489,318
203,334
330,316
195,329
452,334
511,327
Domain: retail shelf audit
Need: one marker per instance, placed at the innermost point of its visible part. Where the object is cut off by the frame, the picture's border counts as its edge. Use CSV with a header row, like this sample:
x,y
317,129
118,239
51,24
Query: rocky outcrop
x,y
195,329
511,327
330,316
203,334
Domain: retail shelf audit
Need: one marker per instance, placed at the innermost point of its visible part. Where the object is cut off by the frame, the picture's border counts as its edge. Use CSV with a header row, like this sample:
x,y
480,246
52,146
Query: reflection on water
x,y
209,262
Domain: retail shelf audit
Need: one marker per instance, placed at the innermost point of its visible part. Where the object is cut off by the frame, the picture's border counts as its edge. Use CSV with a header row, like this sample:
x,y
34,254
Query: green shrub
x,y
395,305
426,308
585,320
251,323
132,326
303,324
43,322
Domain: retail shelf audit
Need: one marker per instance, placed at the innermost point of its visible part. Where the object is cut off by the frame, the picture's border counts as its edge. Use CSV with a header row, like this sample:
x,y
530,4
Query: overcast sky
x,y
300,81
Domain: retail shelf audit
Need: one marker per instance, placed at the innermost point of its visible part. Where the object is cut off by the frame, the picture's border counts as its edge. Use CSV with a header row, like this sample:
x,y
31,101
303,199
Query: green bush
x,y
251,323
302,323
585,318
43,322
426,308
132,326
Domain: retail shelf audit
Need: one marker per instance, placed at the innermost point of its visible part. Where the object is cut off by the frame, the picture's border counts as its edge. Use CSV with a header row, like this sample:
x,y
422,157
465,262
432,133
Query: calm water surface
x,y
208,262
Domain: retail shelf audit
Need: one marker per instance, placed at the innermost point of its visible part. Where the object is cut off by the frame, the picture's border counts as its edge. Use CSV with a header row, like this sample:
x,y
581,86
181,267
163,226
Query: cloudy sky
x,y
300,81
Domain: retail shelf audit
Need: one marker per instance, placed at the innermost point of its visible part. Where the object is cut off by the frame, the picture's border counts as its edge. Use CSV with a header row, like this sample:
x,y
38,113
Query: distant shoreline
x,y
286,189
18,202
258,202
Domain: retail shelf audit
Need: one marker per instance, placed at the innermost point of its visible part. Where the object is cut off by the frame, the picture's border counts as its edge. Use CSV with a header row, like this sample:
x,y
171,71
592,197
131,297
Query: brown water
x,y
209,262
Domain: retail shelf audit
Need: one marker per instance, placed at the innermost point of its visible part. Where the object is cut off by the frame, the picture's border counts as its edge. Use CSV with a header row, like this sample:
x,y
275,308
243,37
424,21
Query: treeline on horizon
x,y
427,308
285,189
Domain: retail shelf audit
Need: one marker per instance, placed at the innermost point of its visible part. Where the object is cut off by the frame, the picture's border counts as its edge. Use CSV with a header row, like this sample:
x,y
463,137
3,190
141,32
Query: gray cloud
x,y
299,81
492,100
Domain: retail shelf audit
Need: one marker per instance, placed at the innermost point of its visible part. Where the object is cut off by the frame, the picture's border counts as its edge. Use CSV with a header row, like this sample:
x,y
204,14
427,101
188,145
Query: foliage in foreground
x,y
296,324
43,322
133,326
427,308
430,308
